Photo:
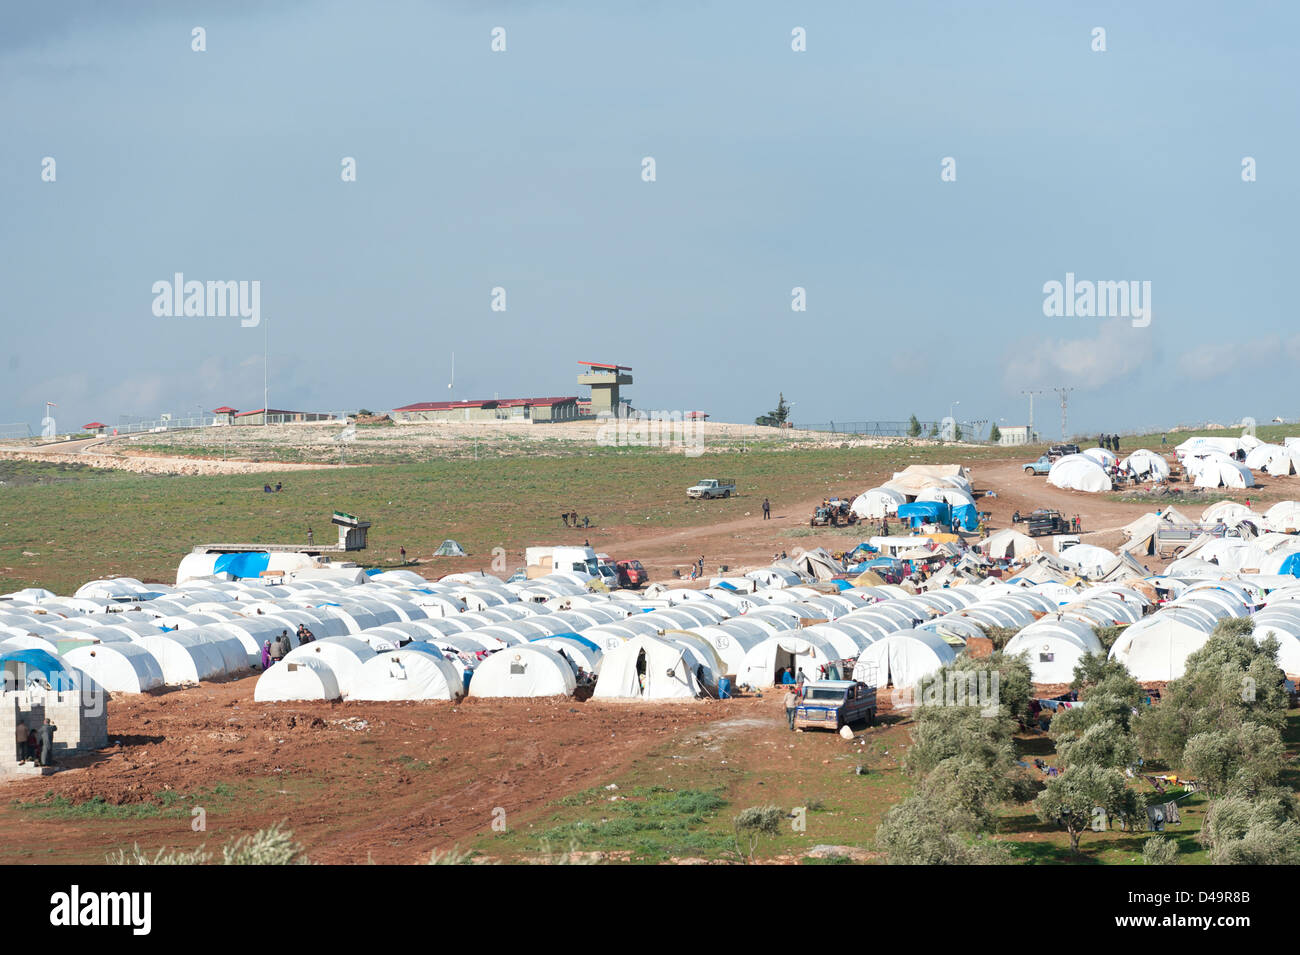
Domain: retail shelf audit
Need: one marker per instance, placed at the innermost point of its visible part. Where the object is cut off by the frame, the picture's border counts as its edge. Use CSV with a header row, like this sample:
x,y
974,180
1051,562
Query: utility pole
x,y
1031,412
1065,401
266,378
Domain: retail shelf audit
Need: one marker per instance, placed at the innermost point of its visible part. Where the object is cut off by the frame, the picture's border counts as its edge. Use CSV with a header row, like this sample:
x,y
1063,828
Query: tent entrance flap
x,y
783,658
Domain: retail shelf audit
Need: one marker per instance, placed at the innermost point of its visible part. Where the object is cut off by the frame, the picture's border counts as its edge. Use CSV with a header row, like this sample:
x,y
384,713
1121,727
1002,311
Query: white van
x,y
581,559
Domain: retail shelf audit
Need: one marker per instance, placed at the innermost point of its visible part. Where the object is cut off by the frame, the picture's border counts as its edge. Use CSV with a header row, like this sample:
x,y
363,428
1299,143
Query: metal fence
x,y
18,429
895,429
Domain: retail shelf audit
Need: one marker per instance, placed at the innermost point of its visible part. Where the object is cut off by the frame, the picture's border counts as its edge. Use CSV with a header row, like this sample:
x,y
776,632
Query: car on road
x,y
1041,466
830,704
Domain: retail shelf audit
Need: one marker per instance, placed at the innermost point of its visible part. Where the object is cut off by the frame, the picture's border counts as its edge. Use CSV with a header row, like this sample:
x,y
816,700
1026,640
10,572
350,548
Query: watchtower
x,y
605,380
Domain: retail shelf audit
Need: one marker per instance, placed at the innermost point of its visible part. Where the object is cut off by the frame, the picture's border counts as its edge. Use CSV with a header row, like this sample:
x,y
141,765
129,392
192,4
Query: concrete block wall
x,y
82,722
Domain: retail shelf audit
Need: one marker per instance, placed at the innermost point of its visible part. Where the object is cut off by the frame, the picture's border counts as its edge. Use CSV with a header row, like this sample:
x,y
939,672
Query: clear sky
x,y
774,169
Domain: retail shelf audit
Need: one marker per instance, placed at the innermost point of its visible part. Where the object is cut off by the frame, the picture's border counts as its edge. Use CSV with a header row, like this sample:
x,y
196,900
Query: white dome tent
x,y
795,649
1075,472
118,667
416,672
1156,649
524,670
647,668
1146,464
877,503
1102,456
903,659
345,656
302,681
1054,648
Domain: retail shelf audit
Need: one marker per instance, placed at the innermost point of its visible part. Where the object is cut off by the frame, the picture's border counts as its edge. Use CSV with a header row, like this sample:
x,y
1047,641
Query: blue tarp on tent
x,y
919,512
421,646
1291,566
726,586
242,565
590,645
966,517
42,663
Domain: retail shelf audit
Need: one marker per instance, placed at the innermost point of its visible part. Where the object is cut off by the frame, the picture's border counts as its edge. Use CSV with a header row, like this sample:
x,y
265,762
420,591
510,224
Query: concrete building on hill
x,y
538,410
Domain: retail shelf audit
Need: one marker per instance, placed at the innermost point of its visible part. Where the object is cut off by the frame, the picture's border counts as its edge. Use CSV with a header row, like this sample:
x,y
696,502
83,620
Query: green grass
x,y
60,533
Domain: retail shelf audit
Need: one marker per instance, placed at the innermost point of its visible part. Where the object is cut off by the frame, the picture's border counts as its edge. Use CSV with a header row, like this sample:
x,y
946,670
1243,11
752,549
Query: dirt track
x,y
386,782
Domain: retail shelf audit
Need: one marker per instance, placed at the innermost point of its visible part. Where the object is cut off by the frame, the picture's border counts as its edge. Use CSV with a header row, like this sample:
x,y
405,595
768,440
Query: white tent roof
x,y
1102,456
878,502
1157,647
524,670
309,679
903,658
668,667
345,656
1075,472
1143,463
407,675
118,667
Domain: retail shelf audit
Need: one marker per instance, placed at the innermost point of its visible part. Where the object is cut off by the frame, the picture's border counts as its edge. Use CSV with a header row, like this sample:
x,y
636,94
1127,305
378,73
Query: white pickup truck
x,y
712,487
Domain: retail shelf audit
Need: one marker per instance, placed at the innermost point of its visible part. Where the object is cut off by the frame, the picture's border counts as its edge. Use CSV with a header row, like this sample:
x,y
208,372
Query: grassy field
x,y
61,526
681,802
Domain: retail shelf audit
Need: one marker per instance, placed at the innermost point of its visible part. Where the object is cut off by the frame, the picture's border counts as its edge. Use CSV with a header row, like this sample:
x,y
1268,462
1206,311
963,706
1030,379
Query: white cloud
x,y
1116,351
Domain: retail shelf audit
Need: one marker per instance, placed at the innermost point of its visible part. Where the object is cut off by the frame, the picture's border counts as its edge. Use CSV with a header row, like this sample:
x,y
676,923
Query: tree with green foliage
x,y
995,434
778,416
914,427
1159,850
1260,831
1229,681
924,831
1104,744
1242,760
752,825
1071,799
273,846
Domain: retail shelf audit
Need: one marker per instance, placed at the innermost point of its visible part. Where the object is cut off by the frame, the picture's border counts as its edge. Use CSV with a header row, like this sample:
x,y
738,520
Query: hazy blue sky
x,y
775,169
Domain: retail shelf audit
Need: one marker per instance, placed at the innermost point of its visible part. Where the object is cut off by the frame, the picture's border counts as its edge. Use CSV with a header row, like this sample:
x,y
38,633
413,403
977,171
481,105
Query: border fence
x,y
970,431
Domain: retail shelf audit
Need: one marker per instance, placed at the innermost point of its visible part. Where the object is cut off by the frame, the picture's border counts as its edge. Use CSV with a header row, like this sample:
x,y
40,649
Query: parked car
x,y
1046,521
632,574
1041,466
830,704
1061,450
712,487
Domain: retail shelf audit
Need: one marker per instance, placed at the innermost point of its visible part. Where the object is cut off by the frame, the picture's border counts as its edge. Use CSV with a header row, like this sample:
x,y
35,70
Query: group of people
x,y
570,519
267,489
1108,441
697,569
273,651
793,684
36,744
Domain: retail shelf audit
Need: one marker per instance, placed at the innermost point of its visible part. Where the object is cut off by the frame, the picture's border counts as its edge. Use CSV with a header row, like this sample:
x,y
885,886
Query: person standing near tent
x,y
46,739
402,553
791,706
266,655
767,509
21,735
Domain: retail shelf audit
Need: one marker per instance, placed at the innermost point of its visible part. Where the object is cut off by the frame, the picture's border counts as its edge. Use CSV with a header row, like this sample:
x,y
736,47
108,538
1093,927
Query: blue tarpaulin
x,y
589,644
39,663
1291,566
921,512
242,565
966,517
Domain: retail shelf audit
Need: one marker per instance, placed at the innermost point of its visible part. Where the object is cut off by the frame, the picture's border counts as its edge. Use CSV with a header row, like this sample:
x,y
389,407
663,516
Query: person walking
x,y
767,510
791,706
45,736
